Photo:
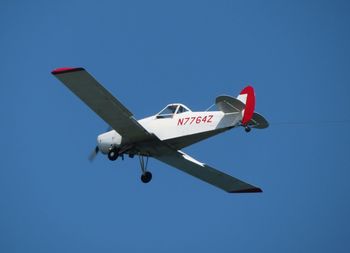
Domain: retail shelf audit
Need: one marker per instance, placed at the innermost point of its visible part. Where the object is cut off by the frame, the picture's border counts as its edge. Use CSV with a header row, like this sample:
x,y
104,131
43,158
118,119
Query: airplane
x,y
163,135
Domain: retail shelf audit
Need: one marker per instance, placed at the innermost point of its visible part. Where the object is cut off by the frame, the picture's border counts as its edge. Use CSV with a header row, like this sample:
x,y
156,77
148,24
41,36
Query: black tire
x,y
146,177
247,129
113,154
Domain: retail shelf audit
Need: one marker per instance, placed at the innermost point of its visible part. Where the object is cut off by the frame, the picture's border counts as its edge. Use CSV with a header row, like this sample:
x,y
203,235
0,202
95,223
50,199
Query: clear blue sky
x,y
151,53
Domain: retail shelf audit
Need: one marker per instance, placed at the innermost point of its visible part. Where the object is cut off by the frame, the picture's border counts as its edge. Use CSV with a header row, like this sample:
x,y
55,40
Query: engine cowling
x,y
108,140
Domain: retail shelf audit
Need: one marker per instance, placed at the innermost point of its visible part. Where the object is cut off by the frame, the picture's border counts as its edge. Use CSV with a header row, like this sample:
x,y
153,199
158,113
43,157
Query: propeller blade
x,y
96,150
94,154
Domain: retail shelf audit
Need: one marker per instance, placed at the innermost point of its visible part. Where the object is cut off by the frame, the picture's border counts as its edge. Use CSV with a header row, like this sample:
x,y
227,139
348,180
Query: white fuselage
x,y
179,125
188,123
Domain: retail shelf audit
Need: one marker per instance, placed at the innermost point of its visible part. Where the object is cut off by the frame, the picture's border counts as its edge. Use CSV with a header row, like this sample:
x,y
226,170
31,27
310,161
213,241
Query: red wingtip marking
x,y
250,104
65,70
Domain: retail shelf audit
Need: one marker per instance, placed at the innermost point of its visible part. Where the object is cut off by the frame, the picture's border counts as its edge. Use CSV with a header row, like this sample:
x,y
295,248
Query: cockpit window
x,y
181,109
167,112
170,110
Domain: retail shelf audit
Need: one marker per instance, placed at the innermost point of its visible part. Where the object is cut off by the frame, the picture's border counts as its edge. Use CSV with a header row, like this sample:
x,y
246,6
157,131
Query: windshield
x,y
167,112
171,109
181,109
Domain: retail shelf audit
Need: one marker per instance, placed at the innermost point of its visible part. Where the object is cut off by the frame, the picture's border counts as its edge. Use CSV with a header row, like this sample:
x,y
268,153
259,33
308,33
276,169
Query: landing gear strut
x,y
113,154
146,175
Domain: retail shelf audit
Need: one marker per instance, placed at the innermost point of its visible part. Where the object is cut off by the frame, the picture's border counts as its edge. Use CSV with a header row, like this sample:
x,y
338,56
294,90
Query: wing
x,y
187,164
82,84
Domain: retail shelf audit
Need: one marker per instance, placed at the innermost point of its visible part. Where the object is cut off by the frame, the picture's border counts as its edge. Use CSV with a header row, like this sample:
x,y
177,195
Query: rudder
x,y
247,96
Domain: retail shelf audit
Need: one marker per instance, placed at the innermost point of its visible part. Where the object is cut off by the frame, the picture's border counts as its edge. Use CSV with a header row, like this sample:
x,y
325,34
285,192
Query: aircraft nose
x,y
103,143
107,140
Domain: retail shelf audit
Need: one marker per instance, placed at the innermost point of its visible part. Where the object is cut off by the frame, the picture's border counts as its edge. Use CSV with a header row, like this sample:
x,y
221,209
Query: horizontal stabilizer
x,y
258,121
229,104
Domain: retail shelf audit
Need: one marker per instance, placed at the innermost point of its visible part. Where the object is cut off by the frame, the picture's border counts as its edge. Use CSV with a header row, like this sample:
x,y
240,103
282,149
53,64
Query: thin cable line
x,y
321,122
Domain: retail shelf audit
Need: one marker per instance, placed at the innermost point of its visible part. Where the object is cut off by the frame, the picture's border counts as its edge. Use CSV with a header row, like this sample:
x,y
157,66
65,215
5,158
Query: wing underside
x,y
103,103
189,165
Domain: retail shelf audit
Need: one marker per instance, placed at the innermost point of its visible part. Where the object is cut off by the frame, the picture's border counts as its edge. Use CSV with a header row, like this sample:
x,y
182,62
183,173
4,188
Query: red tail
x,y
247,96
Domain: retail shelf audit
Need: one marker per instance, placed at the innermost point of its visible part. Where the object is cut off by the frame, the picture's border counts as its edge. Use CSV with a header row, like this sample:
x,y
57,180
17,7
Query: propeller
x,y
96,150
93,154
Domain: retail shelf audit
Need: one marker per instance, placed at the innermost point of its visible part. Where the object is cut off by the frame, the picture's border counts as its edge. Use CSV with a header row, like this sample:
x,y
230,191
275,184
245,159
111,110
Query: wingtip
x,y
251,190
65,70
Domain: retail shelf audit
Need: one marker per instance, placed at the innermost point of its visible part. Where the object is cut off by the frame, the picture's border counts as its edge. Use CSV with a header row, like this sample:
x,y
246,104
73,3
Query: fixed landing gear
x,y
146,176
113,154
247,129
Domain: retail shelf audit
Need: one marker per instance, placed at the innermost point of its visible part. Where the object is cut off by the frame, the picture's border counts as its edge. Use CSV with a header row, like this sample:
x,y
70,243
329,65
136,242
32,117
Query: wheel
x,y
146,177
113,154
247,129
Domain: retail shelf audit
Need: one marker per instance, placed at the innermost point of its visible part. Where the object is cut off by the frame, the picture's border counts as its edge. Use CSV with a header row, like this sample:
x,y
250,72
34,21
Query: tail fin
x,y
244,104
247,97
